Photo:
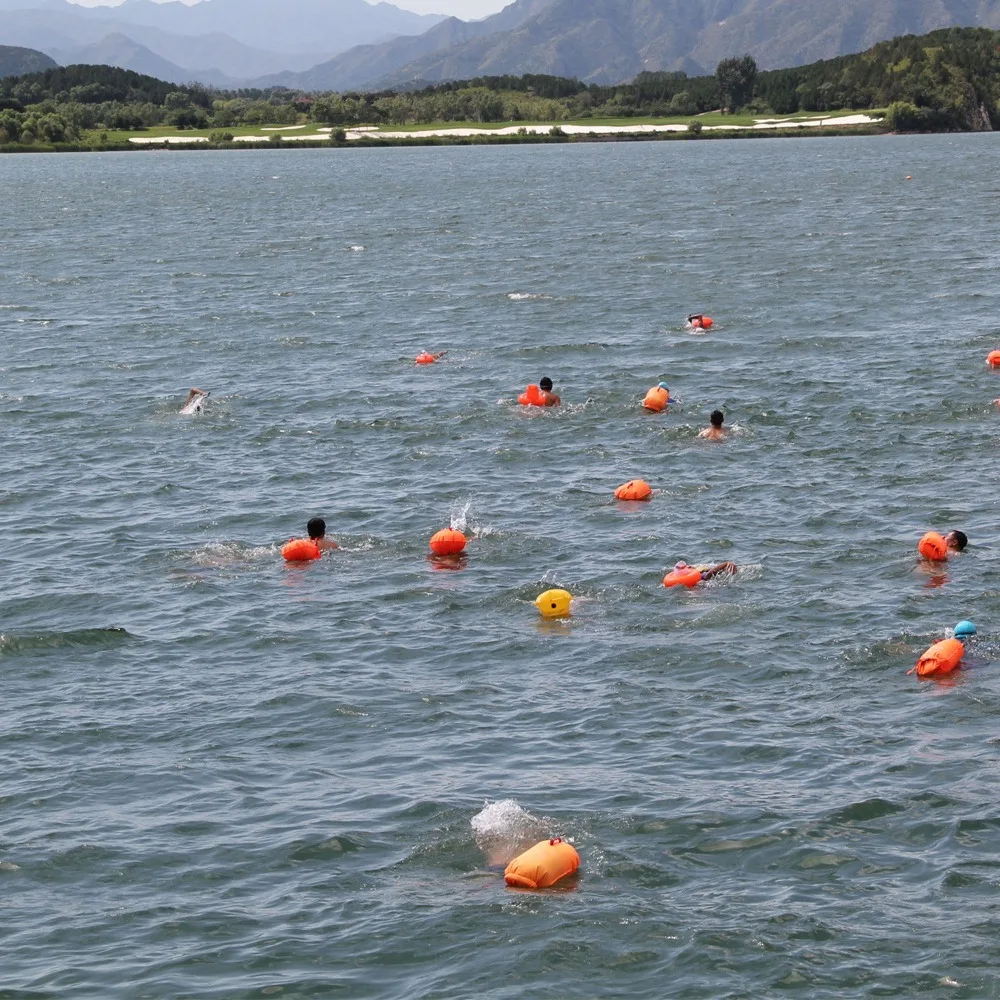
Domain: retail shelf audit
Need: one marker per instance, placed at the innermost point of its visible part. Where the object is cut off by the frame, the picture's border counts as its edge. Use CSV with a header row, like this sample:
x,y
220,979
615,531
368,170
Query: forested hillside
x,y
947,80
15,60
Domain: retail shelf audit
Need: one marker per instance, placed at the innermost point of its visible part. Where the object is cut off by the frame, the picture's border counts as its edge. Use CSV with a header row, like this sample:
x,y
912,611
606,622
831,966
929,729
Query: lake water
x,y
226,778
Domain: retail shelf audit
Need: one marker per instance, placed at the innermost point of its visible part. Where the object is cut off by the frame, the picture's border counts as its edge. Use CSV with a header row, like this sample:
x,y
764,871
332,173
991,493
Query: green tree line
x,y
945,80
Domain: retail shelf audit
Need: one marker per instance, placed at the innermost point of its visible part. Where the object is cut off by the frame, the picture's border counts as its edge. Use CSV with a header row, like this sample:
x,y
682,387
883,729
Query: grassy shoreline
x,y
119,141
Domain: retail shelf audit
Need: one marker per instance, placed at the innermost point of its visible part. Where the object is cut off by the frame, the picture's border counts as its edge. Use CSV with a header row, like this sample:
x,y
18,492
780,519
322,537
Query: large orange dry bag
x,y
300,550
993,359
942,658
634,489
932,546
687,576
656,399
447,542
542,865
532,396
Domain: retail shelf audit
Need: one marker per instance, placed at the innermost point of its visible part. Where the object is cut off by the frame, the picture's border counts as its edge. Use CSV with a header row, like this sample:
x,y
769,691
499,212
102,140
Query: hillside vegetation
x,y
946,80
15,61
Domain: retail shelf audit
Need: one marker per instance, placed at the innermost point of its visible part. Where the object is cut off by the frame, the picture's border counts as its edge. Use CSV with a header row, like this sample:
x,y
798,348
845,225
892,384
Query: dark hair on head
x,y
545,383
961,539
316,527
716,418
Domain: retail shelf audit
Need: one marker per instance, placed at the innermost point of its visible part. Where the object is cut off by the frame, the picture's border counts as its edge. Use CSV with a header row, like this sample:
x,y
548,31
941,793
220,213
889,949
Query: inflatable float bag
x,y
656,399
932,546
300,550
542,865
942,658
532,396
634,489
993,359
686,577
447,542
707,322
554,603
424,359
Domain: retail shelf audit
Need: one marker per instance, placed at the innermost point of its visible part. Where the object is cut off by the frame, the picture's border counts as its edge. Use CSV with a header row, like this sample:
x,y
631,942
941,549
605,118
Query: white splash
x,y
503,830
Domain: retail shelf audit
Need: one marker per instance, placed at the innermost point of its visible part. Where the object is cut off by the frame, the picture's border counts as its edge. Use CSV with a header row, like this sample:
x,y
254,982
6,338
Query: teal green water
x,y
227,778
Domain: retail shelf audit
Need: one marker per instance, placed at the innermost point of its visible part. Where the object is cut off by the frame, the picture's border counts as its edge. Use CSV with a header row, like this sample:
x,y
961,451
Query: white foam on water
x,y
503,830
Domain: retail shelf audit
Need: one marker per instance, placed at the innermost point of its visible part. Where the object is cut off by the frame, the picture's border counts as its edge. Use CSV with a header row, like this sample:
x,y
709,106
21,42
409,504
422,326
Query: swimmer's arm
x,y
726,567
326,543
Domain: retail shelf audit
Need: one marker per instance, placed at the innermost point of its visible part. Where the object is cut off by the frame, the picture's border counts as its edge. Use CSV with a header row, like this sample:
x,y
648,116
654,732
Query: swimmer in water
x,y
694,320
709,572
549,398
316,529
194,401
715,431
956,540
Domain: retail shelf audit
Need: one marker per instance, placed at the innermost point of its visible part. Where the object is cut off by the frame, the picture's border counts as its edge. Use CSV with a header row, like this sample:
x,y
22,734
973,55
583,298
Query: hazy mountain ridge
x,y
372,62
222,41
607,41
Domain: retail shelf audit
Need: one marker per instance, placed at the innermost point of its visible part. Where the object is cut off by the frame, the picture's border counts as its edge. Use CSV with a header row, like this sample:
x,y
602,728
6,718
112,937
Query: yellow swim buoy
x,y
554,603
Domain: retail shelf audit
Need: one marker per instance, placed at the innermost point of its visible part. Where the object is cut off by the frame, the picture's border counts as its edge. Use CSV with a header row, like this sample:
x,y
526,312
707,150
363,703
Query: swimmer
x,y
316,529
715,431
548,397
709,572
956,541
694,320
194,402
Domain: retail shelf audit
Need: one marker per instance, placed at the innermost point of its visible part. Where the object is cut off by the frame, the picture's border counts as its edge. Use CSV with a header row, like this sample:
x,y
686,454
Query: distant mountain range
x,y
350,44
224,42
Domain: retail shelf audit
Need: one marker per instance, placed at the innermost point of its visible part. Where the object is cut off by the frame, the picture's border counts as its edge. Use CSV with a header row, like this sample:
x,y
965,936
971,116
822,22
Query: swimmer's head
x,y
965,630
316,527
716,418
956,540
663,385
545,384
681,565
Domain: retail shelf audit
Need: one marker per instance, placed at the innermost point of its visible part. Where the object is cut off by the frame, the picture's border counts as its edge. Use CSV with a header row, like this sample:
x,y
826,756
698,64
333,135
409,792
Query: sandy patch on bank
x,y
366,131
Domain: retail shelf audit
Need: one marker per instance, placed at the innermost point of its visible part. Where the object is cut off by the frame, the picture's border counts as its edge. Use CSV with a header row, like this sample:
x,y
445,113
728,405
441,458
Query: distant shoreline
x,y
505,136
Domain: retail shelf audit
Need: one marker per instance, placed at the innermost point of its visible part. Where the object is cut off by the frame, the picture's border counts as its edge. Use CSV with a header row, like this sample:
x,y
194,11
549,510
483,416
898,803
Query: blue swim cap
x,y
663,385
964,628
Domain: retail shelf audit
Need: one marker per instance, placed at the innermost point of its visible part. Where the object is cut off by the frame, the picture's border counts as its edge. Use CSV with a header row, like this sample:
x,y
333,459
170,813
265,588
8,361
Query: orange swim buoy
x,y
447,542
682,576
941,658
300,550
707,322
532,396
932,546
656,399
993,359
424,358
634,489
542,865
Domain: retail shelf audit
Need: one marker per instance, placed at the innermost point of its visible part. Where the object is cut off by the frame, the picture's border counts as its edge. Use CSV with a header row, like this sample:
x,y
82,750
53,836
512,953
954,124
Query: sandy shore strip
x,y
368,131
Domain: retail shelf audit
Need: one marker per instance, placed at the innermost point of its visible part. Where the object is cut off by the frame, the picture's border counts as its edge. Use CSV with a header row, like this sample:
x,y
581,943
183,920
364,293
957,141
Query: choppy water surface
x,y
222,777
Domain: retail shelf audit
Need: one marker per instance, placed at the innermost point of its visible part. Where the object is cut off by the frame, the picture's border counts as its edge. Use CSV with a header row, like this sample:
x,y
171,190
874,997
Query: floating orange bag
x,y
941,658
532,396
656,399
634,489
932,546
542,865
447,542
687,577
300,550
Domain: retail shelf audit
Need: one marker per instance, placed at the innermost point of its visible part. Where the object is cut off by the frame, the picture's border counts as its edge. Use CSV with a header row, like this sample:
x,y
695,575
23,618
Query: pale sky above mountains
x,y
465,9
